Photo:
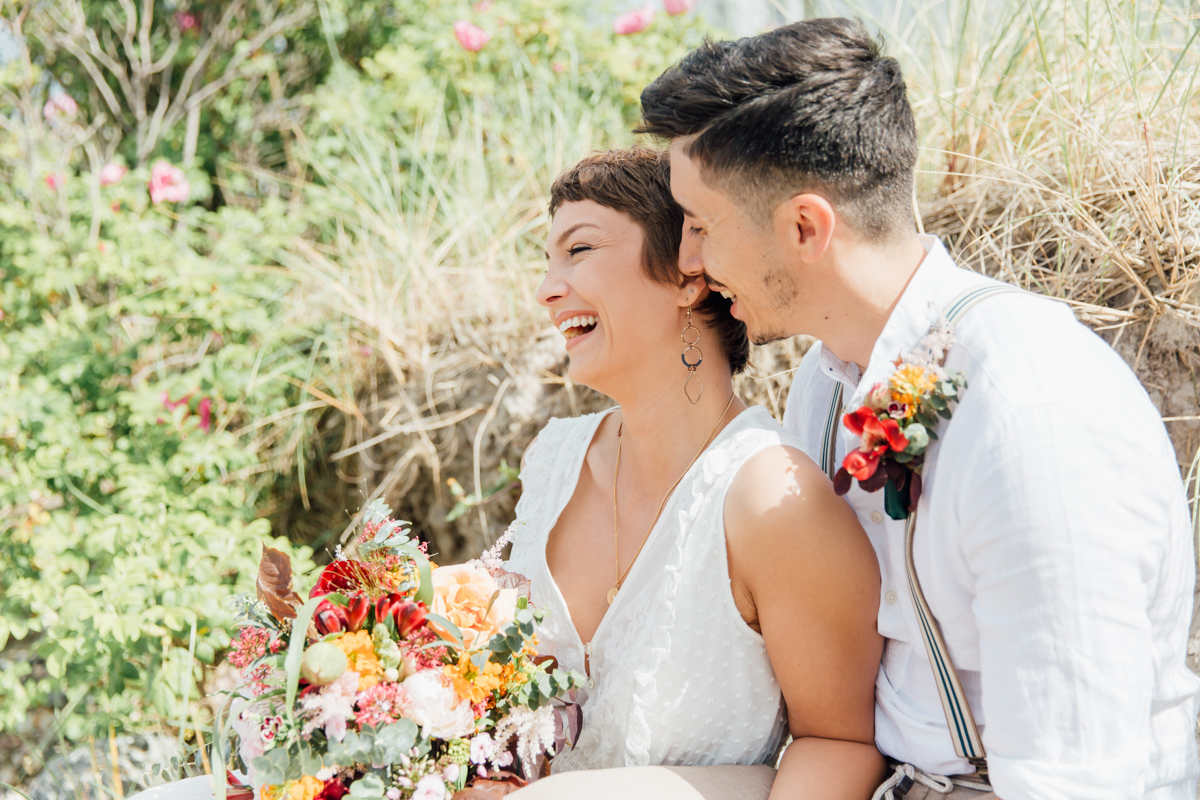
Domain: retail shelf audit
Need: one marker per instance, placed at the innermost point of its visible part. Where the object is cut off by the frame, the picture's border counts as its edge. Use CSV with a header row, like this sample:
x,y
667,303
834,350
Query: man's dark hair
x,y
812,106
637,182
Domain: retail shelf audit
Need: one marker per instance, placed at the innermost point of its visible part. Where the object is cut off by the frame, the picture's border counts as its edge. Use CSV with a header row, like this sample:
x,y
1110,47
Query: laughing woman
x,y
697,566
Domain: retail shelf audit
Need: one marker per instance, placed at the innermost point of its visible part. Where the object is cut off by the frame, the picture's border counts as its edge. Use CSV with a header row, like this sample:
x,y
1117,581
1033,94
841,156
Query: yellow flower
x,y
471,685
306,788
910,383
361,658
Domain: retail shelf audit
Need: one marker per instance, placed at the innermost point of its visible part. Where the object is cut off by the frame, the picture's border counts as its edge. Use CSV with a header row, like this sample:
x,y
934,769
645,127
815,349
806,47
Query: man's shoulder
x,y
808,399
1030,350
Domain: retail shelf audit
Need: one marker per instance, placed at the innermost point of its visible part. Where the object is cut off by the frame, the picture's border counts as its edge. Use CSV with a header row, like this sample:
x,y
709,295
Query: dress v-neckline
x,y
565,498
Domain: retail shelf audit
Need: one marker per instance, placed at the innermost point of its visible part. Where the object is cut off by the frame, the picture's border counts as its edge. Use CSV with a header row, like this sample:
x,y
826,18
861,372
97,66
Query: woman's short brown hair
x,y
637,182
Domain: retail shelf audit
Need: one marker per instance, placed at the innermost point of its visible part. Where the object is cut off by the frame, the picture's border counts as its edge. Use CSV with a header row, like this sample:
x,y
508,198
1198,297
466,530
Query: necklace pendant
x,y
612,594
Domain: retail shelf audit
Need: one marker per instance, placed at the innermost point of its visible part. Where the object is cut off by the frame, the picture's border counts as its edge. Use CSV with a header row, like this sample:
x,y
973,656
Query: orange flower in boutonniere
x,y
897,422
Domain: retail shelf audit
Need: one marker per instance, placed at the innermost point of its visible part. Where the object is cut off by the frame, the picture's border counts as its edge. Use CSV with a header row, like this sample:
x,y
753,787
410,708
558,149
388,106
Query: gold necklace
x,y
617,574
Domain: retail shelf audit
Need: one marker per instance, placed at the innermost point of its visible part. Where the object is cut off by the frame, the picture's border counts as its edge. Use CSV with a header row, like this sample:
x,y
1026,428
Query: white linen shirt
x,y
1053,545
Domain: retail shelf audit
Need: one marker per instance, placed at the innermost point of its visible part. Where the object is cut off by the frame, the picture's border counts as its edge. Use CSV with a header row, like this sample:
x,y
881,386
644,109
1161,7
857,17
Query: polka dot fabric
x,y
677,677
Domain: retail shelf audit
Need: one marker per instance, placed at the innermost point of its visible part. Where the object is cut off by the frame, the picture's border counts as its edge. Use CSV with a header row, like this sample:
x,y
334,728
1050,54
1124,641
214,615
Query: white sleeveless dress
x,y
677,677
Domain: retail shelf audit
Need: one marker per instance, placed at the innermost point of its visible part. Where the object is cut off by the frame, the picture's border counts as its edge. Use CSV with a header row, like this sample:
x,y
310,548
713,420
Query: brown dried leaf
x,y
500,782
512,580
275,584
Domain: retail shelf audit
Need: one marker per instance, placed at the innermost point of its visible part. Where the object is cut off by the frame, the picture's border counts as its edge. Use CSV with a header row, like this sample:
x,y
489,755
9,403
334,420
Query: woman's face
x,y
615,320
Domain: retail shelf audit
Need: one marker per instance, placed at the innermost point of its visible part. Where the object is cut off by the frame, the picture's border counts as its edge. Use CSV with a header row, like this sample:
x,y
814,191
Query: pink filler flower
x,y
471,37
168,183
634,22
55,180
677,7
112,172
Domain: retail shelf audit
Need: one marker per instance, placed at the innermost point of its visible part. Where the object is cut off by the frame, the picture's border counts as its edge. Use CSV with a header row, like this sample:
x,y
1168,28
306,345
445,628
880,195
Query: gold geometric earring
x,y
691,341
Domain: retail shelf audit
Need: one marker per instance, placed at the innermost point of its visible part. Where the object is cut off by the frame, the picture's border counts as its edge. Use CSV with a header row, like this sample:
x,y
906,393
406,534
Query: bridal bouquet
x,y
396,679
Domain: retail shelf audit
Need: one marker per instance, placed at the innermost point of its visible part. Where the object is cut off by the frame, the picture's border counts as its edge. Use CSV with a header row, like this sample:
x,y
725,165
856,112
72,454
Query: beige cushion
x,y
655,783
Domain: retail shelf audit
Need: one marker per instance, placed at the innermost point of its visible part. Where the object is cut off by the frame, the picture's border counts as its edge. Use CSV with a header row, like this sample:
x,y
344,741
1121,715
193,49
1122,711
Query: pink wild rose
x,y
111,173
168,184
634,22
471,37
206,415
677,7
61,104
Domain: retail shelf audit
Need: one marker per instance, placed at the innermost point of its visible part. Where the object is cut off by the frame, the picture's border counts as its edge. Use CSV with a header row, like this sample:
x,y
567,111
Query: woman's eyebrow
x,y
562,239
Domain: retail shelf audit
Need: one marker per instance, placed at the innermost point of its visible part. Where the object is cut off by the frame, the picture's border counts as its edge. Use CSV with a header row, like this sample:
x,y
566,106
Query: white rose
x,y
436,707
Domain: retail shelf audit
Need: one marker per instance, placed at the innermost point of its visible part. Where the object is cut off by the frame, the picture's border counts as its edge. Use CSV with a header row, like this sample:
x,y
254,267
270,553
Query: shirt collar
x,y
915,312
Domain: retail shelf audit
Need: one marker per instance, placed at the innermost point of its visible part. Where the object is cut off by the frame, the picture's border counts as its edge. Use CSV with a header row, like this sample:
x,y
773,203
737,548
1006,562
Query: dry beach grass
x,y
1061,154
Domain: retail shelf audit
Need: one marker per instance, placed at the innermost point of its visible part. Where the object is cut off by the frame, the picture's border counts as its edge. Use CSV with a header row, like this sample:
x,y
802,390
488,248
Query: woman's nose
x,y
552,289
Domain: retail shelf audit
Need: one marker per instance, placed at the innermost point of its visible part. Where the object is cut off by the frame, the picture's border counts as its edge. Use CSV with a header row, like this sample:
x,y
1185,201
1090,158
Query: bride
x,y
697,566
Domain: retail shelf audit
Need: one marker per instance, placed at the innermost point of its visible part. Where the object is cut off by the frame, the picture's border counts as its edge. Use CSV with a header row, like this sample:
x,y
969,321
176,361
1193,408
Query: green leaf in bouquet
x,y
376,511
479,659
368,787
425,589
449,627
311,762
275,766
354,748
295,653
394,741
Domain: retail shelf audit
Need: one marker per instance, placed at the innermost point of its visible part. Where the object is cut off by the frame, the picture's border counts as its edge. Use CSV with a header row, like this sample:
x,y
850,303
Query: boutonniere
x,y
897,421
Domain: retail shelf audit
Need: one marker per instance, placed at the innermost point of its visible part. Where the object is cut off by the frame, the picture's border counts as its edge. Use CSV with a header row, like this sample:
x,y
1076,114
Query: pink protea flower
x,y
112,172
55,180
471,37
677,7
634,22
382,704
168,184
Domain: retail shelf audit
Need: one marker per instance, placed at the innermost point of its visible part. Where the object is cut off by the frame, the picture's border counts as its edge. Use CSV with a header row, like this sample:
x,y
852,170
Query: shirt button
x,y
890,597
876,517
591,684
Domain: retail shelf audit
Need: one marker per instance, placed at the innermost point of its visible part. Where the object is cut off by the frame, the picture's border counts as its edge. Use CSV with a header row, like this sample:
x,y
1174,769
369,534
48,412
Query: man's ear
x,y
805,223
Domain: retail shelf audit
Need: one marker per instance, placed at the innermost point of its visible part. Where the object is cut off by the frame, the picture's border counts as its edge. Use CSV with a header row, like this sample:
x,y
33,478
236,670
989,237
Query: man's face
x,y
737,256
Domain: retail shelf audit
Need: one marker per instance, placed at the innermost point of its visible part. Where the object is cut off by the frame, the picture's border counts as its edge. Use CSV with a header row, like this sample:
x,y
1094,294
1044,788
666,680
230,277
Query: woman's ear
x,y
693,291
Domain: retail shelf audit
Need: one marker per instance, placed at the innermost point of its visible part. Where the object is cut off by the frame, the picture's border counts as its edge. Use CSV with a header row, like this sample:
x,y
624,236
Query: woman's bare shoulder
x,y
781,508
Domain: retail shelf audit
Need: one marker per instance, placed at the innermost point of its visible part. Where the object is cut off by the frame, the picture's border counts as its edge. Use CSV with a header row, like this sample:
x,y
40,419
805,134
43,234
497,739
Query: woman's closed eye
x,y
579,248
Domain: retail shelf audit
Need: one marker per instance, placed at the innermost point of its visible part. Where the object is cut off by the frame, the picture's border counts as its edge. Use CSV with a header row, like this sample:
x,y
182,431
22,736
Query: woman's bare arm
x,y
804,574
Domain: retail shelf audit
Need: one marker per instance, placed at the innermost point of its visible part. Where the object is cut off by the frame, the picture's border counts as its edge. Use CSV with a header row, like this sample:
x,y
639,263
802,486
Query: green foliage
x,y
160,364
127,522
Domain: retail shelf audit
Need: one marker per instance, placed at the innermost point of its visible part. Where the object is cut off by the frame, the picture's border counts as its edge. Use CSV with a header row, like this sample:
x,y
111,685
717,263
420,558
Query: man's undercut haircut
x,y
637,182
813,106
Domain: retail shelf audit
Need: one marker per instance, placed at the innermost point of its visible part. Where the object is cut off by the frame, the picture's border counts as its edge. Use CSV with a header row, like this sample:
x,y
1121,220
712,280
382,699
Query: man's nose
x,y
690,263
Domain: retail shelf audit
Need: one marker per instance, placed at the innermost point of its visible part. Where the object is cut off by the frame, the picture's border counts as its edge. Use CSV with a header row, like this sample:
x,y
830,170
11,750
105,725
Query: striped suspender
x,y
965,733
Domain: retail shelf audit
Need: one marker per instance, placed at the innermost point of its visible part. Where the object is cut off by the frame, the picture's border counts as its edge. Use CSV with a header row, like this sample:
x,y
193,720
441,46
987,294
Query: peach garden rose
x,y
462,593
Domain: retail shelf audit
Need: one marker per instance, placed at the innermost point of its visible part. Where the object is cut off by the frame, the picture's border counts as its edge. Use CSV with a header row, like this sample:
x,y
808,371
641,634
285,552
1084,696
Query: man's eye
x,y
692,229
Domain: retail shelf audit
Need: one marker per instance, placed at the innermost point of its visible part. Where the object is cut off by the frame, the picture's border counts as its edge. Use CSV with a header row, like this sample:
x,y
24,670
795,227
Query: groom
x,y
1052,541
